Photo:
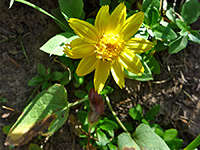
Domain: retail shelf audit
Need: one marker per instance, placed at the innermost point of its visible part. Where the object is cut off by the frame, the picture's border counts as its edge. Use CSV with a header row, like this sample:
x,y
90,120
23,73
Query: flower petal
x,y
79,49
139,45
117,71
84,30
131,62
101,74
86,65
131,25
117,19
102,19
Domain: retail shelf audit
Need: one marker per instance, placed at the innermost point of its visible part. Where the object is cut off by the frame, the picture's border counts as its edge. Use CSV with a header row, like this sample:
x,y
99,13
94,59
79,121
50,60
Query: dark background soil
x,y
176,89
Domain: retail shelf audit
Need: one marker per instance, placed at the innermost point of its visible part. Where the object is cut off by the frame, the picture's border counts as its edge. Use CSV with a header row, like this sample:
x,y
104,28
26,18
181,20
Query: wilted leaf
x,y
45,114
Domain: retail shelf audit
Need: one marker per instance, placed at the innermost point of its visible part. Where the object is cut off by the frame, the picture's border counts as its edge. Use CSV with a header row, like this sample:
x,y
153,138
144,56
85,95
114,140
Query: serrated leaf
x,y
162,32
35,81
103,140
178,44
126,142
41,70
45,114
145,137
146,76
194,36
55,45
154,111
71,8
190,11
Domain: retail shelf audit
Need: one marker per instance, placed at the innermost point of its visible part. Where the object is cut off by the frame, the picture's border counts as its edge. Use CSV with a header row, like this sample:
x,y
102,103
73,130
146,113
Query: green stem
x,y
41,10
78,102
114,114
23,49
193,144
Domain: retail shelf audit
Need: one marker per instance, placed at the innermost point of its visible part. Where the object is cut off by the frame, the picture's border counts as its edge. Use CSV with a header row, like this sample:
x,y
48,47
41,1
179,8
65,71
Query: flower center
x,y
109,47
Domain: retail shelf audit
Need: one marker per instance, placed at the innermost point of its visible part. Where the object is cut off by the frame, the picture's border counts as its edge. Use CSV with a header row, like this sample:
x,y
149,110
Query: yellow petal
x,y
87,65
80,51
77,42
102,19
139,45
118,74
117,19
131,25
131,62
84,30
101,74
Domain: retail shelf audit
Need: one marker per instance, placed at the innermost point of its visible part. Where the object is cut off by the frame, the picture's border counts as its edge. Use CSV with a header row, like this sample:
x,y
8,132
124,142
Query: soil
x,y
176,89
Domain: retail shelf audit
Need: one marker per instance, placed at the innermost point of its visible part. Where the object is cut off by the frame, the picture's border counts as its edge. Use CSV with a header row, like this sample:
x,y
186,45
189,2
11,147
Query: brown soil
x,y
176,89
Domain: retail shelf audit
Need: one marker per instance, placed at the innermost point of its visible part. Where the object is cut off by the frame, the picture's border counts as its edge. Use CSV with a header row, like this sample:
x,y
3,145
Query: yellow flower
x,y
108,46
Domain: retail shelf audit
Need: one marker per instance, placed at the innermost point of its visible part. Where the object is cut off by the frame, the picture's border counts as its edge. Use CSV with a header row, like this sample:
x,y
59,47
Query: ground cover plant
x,y
155,30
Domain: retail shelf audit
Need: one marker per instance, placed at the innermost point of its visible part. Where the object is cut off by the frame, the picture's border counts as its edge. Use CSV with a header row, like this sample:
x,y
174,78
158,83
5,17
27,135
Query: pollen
x,y
109,47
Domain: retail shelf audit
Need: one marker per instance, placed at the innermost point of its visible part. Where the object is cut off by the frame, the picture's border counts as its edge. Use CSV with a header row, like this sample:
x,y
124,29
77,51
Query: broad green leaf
x,y
176,143
35,81
146,76
45,85
104,2
45,114
161,46
56,44
148,4
108,125
181,24
170,134
71,8
171,14
184,32
153,16
152,63
194,36
190,11
103,140
145,137
162,32
41,70
136,112
57,76
112,147
126,142
154,111
178,44
57,13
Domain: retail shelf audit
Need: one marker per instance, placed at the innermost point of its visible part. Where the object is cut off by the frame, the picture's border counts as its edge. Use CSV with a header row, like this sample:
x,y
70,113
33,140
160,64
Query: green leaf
x,y
154,111
82,116
65,80
45,114
34,147
136,112
178,44
194,36
152,63
145,137
184,32
35,81
112,147
190,11
146,76
170,14
11,3
79,79
45,85
148,4
170,134
160,46
80,93
181,24
71,8
104,2
176,143
57,76
6,129
3,100
103,140
57,13
153,16
125,141
108,125
162,32
41,70
107,90
56,44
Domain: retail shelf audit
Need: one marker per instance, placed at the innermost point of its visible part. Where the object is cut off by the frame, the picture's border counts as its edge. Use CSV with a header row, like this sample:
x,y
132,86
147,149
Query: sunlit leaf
x,y
163,32
45,114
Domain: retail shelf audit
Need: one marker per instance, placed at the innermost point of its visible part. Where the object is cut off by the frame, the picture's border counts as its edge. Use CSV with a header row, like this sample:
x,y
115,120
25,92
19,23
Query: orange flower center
x,y
109,47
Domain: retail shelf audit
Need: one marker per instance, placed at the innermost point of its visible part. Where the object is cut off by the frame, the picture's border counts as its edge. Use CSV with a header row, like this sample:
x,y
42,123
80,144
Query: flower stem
x,y
41,10
194,143
114,114
78,102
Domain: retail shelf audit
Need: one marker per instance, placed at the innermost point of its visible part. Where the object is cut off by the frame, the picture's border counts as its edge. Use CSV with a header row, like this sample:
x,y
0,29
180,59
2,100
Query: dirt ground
x,y
176,89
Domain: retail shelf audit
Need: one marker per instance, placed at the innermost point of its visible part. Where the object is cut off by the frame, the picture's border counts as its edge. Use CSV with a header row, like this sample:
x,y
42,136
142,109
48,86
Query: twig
x,y
114,114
